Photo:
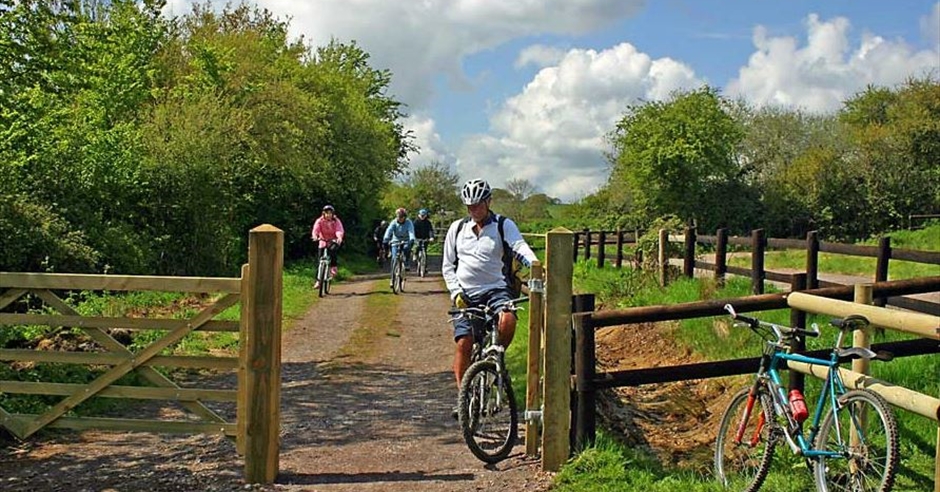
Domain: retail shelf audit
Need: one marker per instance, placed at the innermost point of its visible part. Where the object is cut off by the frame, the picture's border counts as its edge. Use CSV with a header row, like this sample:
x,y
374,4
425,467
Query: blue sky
x,y
528,88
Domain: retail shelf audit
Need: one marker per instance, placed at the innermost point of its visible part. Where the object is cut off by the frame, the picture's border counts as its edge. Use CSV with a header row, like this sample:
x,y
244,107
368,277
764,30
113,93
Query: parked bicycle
x,y
323,271
852,446
398,269
421,257
486,407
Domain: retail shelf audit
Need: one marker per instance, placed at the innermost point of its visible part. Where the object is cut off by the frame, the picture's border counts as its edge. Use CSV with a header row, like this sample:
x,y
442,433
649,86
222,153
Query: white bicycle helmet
x,y
475,191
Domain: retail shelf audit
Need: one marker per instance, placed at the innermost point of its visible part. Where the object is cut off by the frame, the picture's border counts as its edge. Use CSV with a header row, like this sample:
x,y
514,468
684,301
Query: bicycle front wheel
x,y
745,444
864,432
487,412
396,275
422,263
323,272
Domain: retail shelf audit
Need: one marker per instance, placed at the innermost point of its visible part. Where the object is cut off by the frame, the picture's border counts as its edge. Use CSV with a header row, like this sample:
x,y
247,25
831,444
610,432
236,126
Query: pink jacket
x,y
327,230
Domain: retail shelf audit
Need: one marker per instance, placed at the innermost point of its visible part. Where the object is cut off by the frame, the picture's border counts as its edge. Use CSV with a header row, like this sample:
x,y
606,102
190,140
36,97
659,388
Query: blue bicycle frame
x,y
832,388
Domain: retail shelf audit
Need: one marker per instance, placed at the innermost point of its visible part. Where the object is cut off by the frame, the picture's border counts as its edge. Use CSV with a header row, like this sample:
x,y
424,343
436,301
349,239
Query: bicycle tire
x,y
396,273
401,275
422,263
488,429
744,465
872,464
322,274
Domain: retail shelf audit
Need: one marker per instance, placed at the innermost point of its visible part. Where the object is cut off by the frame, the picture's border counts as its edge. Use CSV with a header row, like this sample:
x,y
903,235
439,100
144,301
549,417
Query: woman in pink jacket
x,y
328,231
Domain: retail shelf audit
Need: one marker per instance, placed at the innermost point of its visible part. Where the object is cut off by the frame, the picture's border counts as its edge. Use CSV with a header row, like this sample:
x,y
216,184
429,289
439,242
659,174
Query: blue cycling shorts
x,y
463,327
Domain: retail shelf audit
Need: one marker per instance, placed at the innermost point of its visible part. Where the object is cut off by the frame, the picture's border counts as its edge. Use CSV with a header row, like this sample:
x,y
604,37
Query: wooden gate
x,y
258,361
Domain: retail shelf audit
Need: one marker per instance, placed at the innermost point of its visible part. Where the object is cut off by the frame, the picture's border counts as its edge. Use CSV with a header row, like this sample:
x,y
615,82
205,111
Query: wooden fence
x,y
588,381
257,397
758,245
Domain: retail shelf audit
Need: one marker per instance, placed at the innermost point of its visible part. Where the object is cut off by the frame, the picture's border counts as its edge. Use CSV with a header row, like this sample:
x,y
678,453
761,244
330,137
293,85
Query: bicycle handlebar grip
x,y
753,322
803,331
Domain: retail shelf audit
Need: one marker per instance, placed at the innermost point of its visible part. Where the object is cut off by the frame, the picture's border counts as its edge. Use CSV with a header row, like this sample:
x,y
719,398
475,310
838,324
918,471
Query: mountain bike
x,y
323,271
852,446
421,257
398,269
486,407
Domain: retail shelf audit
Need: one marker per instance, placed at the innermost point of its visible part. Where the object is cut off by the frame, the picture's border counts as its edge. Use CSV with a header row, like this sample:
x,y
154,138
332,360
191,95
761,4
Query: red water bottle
x,y
798,405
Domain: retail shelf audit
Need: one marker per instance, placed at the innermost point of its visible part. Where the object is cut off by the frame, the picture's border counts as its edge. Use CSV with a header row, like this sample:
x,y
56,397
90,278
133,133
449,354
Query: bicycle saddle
x,y
864,353
852,322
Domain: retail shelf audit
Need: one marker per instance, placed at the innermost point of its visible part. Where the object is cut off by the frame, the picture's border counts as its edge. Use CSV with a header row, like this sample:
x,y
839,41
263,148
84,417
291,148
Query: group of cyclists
x,y
473,259
402,232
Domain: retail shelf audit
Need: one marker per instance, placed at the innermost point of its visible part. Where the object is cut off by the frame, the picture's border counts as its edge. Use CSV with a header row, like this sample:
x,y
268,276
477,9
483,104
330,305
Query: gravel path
x,y
357,415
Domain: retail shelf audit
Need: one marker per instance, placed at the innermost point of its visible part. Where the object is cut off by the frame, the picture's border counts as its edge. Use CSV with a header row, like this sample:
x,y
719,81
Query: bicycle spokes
x,y
862,435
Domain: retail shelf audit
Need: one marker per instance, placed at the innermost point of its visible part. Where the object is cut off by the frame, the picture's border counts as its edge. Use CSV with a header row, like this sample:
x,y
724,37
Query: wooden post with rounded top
x,y
263,354
556,416
533,370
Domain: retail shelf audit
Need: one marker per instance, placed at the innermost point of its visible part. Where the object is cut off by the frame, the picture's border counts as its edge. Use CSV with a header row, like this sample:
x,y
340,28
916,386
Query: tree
x,y
678,157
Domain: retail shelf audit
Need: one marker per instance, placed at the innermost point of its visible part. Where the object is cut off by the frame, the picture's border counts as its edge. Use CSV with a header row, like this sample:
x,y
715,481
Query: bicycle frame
x,y
832,388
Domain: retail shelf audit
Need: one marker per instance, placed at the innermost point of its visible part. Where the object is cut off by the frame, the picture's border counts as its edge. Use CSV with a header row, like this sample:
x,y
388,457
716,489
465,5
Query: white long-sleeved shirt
x,y
481,255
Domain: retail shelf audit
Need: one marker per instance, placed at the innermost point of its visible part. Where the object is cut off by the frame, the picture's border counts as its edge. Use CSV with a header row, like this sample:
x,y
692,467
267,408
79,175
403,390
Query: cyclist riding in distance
x,y
328,232
473,267
377,237
424,231
402,231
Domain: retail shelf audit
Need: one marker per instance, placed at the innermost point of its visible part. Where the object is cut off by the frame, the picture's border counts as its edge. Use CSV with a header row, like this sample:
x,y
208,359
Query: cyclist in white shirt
x,y
473,266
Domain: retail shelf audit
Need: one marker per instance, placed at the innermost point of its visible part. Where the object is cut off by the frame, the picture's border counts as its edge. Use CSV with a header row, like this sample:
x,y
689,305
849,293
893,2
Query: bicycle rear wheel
x,y
864,431
745,444
487,412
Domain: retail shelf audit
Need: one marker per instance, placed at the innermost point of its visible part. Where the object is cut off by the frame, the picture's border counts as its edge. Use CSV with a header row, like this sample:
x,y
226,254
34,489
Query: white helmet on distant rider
x,y
475,191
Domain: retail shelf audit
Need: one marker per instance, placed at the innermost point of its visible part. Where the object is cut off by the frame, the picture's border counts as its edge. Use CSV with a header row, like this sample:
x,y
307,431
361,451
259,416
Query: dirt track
x,y
356,416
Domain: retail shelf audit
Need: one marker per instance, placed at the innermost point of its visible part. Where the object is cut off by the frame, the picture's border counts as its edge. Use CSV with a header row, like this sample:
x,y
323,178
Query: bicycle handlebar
x,y
481,311
779,330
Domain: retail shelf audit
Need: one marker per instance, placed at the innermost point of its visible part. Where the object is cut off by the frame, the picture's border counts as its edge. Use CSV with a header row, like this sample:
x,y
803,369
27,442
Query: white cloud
x,y
432,149
553,133
930,25
827,70
539,55
420,39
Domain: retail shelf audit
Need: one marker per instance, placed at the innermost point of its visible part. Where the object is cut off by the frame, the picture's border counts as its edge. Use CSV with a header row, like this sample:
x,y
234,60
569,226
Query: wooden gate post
x,y
812,260
881,267
688,259
758,243
619,262
798,320
533,399
557,360
601,248
262,388
663,257
721,256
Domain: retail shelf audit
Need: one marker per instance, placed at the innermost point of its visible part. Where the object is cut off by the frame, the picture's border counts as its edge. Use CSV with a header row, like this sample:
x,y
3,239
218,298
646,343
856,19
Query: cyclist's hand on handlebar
x,y
461,300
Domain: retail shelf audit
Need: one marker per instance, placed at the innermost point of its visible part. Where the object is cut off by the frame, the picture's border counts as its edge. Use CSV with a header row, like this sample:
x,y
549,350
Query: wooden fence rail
x,y
759,244
587,380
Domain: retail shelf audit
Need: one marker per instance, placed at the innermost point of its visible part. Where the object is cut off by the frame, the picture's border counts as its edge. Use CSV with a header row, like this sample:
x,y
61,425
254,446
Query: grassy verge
x,y
609,467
